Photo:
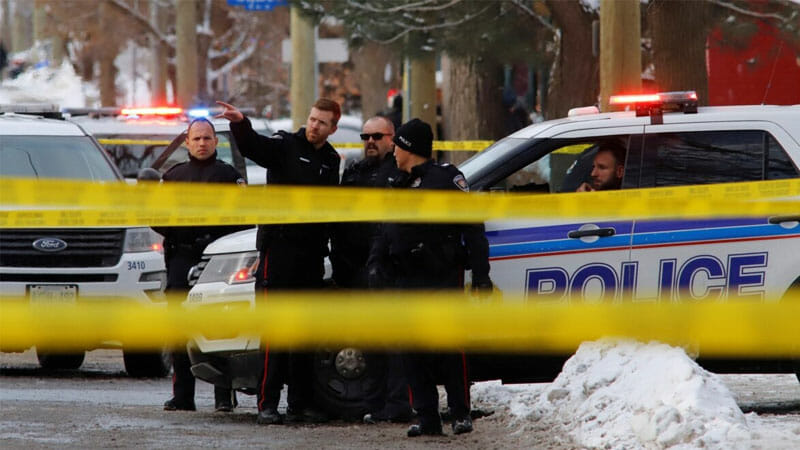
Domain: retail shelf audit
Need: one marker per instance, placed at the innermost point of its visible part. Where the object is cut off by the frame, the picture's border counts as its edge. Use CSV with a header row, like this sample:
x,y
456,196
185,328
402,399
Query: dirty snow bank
x,y
624,394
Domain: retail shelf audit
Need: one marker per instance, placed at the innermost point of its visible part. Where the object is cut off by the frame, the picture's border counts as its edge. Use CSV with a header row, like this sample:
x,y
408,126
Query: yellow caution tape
x,y
27,203
413,320
471,146
468,146
105,141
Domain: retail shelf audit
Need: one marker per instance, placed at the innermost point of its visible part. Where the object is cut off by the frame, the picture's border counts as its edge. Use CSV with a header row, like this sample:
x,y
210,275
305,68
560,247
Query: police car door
x,y
715,258
563,260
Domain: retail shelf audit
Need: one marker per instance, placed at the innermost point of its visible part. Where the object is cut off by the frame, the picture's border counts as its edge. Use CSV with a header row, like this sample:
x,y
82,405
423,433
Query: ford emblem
x,y
49,244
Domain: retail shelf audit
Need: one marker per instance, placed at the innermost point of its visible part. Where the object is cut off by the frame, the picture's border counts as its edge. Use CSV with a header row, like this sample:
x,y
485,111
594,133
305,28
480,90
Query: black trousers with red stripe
x,y
424,370
286,267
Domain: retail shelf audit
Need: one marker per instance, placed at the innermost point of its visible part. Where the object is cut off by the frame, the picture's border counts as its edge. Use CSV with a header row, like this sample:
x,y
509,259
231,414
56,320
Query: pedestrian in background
x,y
292,256
425,256
183,248
350,245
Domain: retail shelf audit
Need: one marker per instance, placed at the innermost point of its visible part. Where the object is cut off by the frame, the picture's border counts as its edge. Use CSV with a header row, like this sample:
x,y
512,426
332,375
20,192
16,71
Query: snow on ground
x,y
625,394
59,86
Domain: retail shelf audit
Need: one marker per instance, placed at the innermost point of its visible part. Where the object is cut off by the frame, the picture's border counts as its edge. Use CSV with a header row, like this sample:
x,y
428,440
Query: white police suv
x,y
138,138
665,140
74,265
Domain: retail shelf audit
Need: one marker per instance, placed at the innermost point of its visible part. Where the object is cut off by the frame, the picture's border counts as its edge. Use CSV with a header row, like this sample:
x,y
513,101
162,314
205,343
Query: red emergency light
x,y
155,111
655,104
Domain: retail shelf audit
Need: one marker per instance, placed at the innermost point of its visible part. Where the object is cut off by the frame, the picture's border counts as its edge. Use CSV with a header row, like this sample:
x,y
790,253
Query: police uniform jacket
x,y
351,242
290,160
183,246
414,255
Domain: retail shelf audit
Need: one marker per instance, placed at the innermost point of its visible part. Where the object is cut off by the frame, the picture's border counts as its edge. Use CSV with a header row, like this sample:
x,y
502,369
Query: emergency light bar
x,y
159,111
655,104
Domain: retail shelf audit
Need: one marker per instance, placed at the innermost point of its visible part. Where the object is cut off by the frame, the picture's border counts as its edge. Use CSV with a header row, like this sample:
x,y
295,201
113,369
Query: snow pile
x,y
624,394
59,85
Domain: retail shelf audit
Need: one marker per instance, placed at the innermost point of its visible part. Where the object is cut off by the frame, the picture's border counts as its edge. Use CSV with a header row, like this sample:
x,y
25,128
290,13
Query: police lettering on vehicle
x,y
702,277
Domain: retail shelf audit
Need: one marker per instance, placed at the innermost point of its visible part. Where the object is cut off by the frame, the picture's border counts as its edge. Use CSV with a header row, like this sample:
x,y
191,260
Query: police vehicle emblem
x,y
49,245
461,183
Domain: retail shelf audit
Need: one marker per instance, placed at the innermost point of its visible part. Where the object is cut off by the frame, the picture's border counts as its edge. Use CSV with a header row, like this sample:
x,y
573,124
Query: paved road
x,y
98,406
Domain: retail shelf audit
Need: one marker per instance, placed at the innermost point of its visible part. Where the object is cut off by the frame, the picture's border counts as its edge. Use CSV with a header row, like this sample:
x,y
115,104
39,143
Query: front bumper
x,y
238,370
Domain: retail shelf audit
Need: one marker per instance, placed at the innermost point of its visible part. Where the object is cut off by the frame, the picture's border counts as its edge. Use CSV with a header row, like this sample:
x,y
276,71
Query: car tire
x,y
147,364
60,361
345,378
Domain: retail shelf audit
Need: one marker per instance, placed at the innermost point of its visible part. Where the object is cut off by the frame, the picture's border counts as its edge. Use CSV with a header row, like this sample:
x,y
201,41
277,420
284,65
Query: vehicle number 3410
x,y
136,265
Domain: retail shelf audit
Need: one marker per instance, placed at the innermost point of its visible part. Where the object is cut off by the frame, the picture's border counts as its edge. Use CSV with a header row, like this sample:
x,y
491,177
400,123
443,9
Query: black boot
x,y
269,416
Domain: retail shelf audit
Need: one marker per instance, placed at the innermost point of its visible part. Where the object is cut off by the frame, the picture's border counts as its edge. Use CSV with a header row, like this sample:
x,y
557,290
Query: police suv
x,y
74,265
664,140
138,138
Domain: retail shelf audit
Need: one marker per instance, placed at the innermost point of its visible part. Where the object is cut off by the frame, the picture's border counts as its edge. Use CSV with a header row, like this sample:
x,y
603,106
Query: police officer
x,y
183,248
422,256
350,245
292,256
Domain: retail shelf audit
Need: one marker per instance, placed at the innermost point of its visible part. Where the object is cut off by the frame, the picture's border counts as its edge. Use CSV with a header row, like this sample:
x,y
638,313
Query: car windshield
x,y
484,159
73,157
134,152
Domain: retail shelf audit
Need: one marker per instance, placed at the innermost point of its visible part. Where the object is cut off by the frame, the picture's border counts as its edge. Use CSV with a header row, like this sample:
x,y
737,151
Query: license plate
x,y
64,294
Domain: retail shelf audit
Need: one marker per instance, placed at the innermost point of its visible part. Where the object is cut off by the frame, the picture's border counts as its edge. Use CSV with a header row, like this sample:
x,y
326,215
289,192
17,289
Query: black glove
x,y
482,288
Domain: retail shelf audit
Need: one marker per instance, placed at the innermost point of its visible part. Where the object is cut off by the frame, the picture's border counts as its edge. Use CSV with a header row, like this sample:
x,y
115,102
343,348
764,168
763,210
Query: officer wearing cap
x,y
424,256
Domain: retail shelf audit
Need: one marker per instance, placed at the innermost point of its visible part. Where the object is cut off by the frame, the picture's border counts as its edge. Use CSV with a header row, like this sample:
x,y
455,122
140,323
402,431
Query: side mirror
x,y
148,174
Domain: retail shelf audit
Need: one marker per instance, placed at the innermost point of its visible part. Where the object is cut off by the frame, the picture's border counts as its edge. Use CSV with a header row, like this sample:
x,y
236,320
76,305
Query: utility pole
x,y
186,51
303,83
158,70
620,49
419,89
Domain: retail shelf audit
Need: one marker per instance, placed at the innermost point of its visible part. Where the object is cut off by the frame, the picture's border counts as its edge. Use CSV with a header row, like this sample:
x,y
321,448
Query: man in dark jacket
x,y
424,256
350,245
183,248
292,256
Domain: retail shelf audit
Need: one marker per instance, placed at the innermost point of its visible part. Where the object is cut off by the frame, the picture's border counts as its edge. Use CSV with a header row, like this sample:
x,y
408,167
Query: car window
x,y
134,152
72,157
708,157
779,165
566,166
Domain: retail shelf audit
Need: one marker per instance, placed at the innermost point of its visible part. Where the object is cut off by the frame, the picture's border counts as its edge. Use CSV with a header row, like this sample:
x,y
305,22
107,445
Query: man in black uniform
x,y
350,245
292,256
183,248
423,256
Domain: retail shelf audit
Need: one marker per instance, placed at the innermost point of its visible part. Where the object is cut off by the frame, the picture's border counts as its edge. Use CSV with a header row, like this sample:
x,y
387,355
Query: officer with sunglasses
x,y
351,243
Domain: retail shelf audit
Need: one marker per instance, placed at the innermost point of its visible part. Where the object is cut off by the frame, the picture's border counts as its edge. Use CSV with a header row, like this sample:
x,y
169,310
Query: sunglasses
x,y
374,136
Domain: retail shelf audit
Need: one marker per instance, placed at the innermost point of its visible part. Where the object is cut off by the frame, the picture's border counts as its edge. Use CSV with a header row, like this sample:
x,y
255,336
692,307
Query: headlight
x,y
143,240
232,268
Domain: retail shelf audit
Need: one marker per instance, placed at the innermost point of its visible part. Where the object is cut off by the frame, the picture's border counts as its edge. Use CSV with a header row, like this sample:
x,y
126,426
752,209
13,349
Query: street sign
x,y
258,5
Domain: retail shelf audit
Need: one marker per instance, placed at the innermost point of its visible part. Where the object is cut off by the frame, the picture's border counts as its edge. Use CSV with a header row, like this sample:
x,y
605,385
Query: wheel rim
x,y
350,363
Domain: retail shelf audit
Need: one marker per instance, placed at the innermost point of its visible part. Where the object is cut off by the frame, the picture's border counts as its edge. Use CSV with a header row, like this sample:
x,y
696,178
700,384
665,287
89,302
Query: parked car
x,y
138,138
668,141
71,265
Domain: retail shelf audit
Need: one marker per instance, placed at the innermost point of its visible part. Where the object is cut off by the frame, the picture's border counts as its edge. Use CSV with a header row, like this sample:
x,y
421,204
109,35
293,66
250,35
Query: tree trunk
x,y
186,58
679,30
107,53
158,72
471,104
22,26
371,61
575,80
5,26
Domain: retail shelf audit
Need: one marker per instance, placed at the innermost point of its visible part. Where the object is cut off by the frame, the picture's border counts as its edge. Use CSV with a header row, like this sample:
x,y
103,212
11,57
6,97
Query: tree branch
x,y
746,12
534,15
144,21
